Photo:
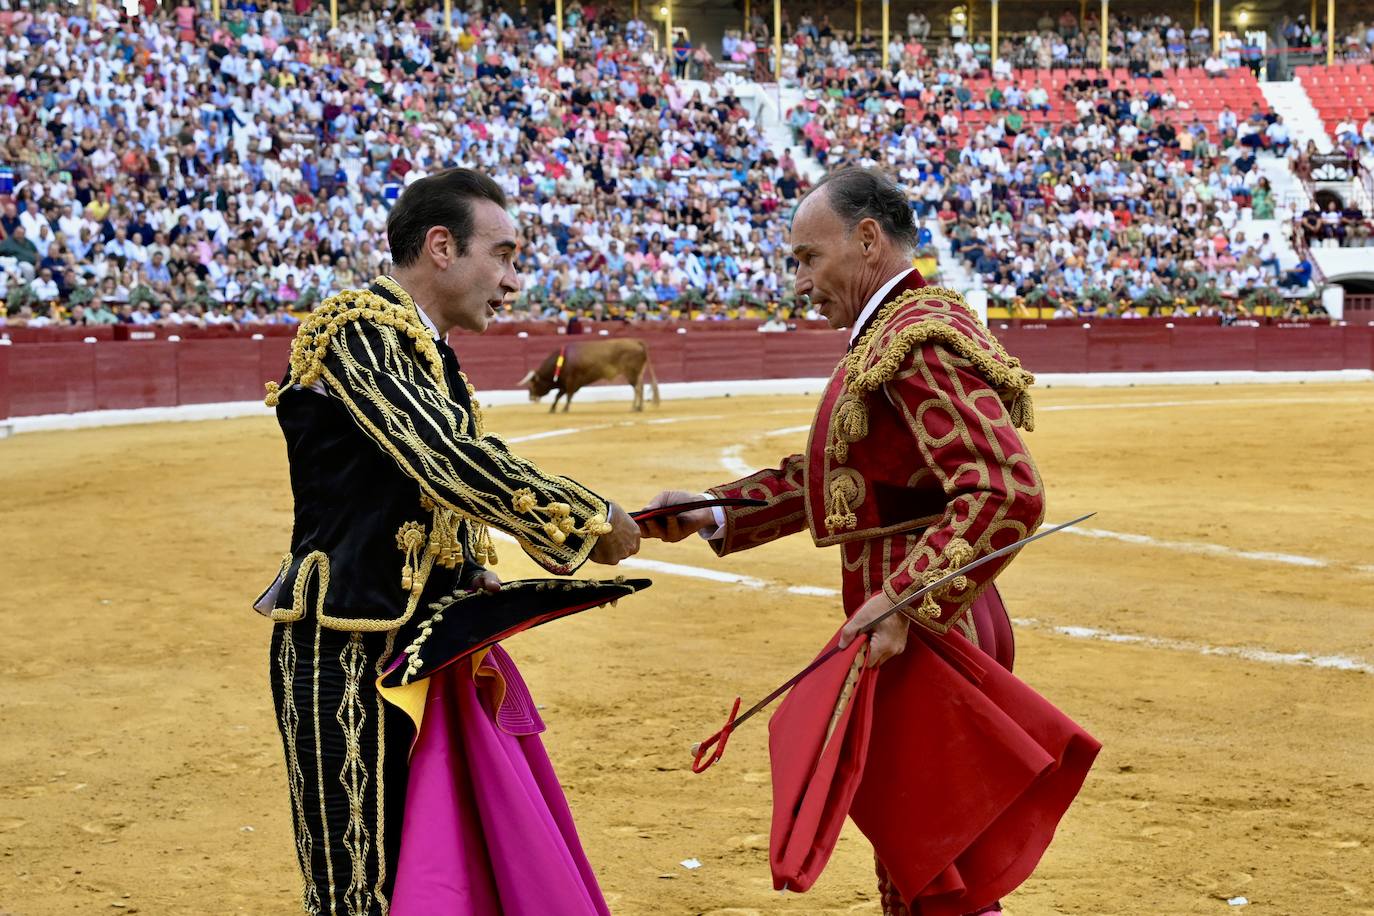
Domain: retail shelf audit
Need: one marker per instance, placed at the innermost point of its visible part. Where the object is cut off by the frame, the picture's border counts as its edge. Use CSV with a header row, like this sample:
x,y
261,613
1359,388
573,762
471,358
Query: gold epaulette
x,y
950,322
318,329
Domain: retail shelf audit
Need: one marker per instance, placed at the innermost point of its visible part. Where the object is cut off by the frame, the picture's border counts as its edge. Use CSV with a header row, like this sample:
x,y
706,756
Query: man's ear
x,y
439,246
868,233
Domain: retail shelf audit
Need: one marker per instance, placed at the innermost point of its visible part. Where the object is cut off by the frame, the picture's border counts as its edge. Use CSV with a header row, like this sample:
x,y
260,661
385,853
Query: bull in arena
x,y
576,365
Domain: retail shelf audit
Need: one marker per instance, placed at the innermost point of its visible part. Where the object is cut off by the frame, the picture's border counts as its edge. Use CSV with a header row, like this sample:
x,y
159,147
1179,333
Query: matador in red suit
x,y
914,464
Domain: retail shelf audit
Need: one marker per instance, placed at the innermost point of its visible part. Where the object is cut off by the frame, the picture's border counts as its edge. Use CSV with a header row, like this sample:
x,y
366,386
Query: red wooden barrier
x,y
273,355
1216,348
40,378
1048,350
1300,348
217,370
1112,348
1358,346
62,334
52,378
5,381
135,375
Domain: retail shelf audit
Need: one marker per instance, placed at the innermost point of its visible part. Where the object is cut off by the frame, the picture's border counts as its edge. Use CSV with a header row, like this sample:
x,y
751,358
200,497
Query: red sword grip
x,y
710,750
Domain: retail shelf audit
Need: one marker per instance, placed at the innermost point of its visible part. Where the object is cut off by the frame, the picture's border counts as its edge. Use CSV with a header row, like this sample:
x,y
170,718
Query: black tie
x,y
450,361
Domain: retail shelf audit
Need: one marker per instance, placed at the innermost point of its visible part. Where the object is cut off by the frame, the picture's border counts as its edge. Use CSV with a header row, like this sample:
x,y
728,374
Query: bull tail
x,y
649,371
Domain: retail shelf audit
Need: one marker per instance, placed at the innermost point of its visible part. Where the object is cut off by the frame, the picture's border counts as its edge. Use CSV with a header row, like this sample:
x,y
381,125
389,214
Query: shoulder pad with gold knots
x,y
936,315
333,315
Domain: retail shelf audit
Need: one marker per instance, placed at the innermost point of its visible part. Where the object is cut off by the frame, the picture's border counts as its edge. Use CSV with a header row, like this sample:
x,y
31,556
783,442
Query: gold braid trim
x,y
479,425
317,331
957,553
997,367
315,563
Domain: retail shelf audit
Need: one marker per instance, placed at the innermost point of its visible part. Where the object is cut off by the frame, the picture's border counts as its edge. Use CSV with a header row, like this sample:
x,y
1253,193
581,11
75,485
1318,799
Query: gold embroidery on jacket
x,y
316,563
436,473
877,356
380,807
317,331
372,345
352,717
290,721
319,766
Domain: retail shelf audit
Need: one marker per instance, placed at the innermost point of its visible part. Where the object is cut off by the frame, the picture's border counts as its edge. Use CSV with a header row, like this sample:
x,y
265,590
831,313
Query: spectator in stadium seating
x,y
44,286
1266,255
1357,231
1332,225
1262,200
1299,276
1310,225
17,245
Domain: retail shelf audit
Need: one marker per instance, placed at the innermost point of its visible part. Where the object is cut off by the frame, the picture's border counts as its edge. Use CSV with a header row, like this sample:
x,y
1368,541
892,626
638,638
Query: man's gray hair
x,y
857,194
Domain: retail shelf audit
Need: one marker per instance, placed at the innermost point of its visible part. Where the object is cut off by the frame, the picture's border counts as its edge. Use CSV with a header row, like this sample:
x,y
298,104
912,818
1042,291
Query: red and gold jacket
x,y
914,465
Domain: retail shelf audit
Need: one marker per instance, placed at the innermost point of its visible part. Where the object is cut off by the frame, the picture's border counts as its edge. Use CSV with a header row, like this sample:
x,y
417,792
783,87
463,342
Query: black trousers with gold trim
x,y
346,764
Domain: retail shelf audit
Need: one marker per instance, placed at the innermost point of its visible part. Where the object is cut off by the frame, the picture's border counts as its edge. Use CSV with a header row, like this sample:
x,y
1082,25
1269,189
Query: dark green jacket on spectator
x,y
20,249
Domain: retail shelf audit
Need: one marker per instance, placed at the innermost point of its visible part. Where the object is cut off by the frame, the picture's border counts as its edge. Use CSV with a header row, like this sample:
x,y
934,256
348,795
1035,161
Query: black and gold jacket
x,y
393,477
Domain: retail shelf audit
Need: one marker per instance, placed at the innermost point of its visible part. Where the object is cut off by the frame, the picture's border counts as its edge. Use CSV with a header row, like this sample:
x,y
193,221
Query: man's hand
x,y
486,581
673,528
621,542
887,639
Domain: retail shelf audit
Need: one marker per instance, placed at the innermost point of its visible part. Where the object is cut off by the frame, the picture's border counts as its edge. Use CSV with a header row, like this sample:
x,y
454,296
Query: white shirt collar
x,y
876,301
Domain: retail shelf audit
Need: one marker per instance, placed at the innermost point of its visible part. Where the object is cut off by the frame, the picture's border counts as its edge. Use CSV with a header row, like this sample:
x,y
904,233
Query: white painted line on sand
x,y
731,459
663,421
694,572
1245,653
1201,402
788,430
813,591
552,433
1248,653
1213,550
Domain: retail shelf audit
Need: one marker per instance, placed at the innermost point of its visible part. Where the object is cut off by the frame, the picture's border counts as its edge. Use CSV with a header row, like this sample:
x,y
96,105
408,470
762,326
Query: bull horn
x,y
525,382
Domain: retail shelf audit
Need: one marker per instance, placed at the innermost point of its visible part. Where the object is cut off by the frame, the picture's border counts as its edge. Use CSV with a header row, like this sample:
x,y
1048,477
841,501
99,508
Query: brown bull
x,y
575,365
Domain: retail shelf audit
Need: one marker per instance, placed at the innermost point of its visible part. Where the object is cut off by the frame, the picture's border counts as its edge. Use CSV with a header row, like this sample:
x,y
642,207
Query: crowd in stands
x,y
1101,193
174,169
1146,45
178,169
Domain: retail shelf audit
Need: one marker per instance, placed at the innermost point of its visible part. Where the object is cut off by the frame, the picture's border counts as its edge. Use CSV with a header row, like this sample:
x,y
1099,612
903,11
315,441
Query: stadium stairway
x,y
1291,100
954,273
772,105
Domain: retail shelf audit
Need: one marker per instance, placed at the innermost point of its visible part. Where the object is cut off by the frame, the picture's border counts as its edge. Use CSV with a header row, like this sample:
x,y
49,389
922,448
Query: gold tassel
x,y
411,539
483,551
957,553
851,425
841,516
1023,412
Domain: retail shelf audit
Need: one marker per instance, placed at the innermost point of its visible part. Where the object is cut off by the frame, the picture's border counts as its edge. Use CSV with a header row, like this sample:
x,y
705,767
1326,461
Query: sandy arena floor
x,y
140,770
